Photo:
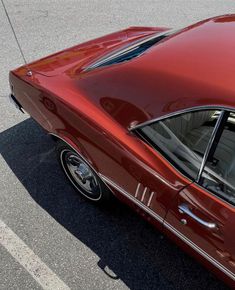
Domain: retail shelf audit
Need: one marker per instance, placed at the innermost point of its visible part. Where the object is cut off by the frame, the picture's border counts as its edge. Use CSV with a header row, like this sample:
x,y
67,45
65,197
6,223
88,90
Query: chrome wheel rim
x,y
80,174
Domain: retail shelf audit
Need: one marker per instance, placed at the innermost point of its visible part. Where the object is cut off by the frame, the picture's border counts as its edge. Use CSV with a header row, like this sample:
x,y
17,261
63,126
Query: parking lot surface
x,y
50,237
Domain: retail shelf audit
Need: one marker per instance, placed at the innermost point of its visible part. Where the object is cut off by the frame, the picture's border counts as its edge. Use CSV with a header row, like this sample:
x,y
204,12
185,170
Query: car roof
x,y
193,67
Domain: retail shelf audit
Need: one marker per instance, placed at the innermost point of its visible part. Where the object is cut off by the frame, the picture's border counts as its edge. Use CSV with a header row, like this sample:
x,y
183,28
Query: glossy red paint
x,y
92,110
217,243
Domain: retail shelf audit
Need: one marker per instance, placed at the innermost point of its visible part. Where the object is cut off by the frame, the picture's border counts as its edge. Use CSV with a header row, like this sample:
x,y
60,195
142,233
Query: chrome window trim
x,y
214,194
186,177
179,112
209,145
126,48
162,156
170,228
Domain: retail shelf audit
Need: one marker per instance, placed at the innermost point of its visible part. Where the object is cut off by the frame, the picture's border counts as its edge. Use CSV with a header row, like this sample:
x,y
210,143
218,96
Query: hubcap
x,y
80,174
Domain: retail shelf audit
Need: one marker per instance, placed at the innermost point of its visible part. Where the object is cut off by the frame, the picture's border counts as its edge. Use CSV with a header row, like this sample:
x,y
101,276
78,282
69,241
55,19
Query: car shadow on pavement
x,y
128,247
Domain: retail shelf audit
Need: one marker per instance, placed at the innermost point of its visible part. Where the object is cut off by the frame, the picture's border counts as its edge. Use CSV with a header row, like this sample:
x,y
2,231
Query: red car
x,y
148,115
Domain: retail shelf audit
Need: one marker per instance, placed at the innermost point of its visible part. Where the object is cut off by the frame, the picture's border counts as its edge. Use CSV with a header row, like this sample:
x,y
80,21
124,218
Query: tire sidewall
x,y
104,192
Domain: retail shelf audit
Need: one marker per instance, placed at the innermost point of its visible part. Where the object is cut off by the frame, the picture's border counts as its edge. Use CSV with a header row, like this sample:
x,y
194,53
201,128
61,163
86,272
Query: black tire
x,y
98,193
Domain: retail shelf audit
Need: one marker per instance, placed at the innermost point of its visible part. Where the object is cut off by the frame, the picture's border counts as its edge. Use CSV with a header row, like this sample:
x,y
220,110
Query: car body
x,y
151,112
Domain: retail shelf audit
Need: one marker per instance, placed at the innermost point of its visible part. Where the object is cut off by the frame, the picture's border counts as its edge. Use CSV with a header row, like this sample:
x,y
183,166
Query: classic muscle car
x,y
148,115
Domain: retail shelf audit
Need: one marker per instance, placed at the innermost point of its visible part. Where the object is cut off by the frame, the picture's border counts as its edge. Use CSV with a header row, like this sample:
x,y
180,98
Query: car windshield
x,y
131,51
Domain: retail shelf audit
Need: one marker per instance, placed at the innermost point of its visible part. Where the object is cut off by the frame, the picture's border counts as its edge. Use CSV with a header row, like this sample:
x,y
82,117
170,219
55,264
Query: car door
x,y
140,175
203,214
181,140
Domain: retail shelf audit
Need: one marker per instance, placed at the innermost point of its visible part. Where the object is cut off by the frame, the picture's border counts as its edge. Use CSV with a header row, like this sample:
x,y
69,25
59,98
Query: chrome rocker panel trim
x,y
132,198
108,182
170,228
200,251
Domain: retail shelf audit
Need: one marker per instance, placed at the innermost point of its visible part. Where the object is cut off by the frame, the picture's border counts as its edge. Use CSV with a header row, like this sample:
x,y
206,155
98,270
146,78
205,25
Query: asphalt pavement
x,y
51,238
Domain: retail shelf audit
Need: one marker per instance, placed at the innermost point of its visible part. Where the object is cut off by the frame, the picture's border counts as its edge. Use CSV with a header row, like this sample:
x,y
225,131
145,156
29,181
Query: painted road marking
x,y
29,260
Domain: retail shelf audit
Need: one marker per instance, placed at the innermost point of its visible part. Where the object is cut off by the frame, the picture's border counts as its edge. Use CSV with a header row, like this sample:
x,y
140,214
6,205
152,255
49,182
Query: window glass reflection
x,y
183,139
219,172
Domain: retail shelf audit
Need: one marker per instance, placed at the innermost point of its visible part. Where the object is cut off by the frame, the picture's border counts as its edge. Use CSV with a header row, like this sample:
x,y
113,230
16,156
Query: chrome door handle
x,y
183,208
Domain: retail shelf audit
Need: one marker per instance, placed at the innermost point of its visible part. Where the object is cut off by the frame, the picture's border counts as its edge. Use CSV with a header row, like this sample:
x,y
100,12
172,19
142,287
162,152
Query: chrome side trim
x,y
229,273
188,110
200,251
146,189
150,199
137,190
132,198
213,261
143,195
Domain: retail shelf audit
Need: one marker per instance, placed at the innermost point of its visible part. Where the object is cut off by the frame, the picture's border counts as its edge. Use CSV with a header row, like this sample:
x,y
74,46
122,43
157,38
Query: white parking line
x,y
29,260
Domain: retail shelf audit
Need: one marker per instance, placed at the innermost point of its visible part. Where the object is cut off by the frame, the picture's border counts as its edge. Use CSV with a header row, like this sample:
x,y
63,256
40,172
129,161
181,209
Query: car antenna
x,y
29,72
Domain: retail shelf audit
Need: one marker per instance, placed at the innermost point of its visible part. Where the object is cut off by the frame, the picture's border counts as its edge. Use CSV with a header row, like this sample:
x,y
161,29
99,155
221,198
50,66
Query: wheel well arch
x,y
70,143
83,153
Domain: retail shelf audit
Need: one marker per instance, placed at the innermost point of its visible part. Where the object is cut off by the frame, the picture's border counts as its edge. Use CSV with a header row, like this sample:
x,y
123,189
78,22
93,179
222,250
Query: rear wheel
x,y
81,174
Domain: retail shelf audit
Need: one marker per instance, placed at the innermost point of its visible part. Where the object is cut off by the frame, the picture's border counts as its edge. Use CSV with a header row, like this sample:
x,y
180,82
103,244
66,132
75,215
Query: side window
x,y
219,171
182,139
